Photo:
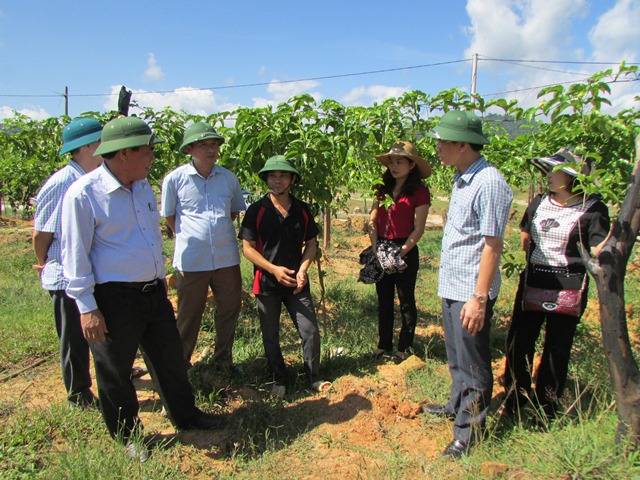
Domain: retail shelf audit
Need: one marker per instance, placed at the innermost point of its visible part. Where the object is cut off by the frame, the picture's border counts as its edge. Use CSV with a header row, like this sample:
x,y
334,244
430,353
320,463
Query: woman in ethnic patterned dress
x,y
555,227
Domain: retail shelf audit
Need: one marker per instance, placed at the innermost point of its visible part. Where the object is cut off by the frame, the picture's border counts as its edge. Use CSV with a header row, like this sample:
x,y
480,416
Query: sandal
x,y
378,353
137,372
321,386
400,357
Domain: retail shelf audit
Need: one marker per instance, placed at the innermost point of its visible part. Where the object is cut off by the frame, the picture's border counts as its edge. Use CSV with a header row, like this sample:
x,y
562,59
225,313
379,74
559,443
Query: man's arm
x,y
41,242
473,312
308,255
171,221
94,328
77,239
282,274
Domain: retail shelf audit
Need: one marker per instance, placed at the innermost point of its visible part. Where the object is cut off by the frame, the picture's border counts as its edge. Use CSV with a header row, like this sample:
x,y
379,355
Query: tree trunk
x,y
609,272
326,214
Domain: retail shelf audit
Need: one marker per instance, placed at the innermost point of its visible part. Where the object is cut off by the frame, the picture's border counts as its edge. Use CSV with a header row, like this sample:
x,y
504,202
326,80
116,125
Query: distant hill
x,y
514,128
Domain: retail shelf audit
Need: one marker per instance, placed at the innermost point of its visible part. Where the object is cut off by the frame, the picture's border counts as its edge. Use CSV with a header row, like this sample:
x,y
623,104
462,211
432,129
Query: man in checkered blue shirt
x,y
469,278
80,138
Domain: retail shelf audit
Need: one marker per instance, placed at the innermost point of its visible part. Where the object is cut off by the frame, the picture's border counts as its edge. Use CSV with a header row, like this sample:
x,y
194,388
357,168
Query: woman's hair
x,y
408,188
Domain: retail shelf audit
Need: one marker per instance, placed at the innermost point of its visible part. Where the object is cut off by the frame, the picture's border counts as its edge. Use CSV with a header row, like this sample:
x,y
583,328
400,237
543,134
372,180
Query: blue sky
x,y
199,55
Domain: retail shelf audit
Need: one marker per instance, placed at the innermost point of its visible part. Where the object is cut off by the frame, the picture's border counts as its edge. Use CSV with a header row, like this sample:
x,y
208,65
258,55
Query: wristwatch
x,y
481,299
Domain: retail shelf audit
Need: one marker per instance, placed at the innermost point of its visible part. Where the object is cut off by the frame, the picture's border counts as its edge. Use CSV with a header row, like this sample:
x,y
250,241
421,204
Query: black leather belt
x,y
144,287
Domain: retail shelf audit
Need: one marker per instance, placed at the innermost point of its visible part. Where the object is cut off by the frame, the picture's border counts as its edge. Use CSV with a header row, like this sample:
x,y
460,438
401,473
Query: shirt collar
x,y
468,175
76,167
191,169
111,183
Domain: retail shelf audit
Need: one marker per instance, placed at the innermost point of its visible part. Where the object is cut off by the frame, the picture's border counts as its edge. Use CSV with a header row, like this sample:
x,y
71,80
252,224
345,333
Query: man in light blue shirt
x,y
81,137
469,278
112,257
200,201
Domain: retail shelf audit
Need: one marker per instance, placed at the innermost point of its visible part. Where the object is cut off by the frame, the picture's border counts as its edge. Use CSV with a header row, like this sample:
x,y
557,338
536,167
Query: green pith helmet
x,y
125,132
197,132
279,163
80,132
459,126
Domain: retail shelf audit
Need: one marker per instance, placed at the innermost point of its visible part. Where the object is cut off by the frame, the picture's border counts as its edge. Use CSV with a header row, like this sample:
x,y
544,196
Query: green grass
x,y
57,442
26,319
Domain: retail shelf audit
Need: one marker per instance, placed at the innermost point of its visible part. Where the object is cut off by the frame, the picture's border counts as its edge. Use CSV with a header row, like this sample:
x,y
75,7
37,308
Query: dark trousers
x,y
405,284
521,342
469,359
302,312
137,318
74,350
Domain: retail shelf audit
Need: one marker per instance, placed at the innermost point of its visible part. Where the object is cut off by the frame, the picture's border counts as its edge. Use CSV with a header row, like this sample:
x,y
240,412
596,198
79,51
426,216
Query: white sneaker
x,y
137,451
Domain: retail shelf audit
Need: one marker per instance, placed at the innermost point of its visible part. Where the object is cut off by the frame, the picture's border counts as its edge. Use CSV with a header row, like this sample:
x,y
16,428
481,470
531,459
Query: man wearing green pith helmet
x,y
278,236
81,138
200,201
469,277
112,257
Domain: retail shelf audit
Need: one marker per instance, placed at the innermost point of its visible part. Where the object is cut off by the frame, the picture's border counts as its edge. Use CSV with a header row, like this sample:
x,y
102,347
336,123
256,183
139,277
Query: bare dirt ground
x,y
357,425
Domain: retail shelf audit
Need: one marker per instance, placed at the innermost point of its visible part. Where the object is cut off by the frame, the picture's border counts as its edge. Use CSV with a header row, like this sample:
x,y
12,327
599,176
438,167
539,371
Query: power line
x,y
261,84
519,62
550,85
570,62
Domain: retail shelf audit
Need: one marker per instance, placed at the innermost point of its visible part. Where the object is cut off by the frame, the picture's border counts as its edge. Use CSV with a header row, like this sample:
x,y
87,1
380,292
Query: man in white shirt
x,y
200,201
112,257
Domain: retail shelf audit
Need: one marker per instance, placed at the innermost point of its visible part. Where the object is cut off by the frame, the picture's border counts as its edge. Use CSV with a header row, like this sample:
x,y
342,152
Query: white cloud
x,y
194,101
262,70
375,93
544,30
35,113
153,71
616,35
283,91
260,102
521,29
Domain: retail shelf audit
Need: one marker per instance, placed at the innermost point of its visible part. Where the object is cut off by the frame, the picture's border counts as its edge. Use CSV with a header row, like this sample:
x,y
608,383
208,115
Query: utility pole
x,y
66,101
474,73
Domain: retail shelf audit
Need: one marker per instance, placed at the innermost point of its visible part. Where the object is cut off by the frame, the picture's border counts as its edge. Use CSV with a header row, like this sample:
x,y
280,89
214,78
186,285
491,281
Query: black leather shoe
x,y
456,450
437,410
84,400
207,421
